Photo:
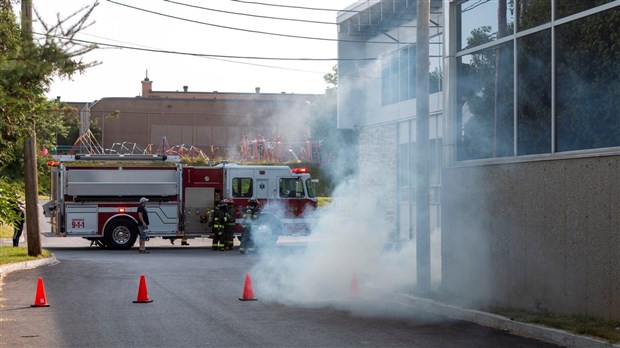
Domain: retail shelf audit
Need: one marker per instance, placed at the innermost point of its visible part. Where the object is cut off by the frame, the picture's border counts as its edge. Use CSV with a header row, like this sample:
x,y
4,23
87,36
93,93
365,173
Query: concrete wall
x,y
205,123
542,235
377,167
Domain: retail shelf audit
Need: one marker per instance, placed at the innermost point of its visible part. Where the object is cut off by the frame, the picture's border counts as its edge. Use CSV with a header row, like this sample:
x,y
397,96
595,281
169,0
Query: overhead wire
x,y
248,14
291,6
312,8
276,18
237,57
248,30
213,58
204,54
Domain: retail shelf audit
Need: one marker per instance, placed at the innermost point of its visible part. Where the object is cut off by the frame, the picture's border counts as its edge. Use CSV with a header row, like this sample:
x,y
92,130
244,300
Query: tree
x,y
26,71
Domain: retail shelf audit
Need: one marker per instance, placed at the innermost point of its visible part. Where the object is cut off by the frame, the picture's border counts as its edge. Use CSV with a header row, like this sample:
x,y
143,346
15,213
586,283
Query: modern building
x,y
218,123
524,131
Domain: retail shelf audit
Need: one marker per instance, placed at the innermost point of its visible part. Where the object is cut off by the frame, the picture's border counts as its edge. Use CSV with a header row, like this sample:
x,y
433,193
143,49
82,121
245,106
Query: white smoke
x,y
345,257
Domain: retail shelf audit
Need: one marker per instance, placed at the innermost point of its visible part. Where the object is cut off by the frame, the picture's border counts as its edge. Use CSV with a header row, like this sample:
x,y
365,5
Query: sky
x,y
202,28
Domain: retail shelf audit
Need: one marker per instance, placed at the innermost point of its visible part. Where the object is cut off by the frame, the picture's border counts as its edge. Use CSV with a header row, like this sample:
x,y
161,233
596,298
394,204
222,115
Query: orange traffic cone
x,y
354,291
248,293
143,296
39,298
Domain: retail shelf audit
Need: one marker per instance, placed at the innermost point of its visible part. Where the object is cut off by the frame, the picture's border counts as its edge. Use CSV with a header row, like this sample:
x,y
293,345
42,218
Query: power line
x,y
219,59
250,15
252,31
312,8
204,54
276,18
296,7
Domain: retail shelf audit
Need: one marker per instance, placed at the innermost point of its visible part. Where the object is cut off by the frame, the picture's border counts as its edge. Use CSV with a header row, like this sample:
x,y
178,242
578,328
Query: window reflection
x,y
570,7
588,82
482,15
534,93
532,13
485,103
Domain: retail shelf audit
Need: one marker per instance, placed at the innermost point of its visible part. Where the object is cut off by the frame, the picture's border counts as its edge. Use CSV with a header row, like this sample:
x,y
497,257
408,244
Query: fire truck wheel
x,y
267,229
121,234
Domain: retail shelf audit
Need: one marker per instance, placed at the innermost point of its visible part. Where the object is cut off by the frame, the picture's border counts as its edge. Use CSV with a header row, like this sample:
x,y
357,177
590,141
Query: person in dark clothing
x,y
18,223
219,219
229,226
252,211
143,226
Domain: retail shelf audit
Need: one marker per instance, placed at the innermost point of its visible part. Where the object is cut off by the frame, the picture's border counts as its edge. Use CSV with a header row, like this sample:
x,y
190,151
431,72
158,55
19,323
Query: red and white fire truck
x,y
99,200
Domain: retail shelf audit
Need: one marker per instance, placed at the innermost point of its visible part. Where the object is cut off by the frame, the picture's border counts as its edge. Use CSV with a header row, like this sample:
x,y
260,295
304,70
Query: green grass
x,y
10,254
6,231
581,325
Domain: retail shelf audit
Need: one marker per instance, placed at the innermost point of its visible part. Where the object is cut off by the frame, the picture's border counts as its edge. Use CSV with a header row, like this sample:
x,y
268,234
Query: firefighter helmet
x,y
253,202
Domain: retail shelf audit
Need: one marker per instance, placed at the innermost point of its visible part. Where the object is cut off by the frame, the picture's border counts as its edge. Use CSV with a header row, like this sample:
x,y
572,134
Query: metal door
x,y
197,201
262,189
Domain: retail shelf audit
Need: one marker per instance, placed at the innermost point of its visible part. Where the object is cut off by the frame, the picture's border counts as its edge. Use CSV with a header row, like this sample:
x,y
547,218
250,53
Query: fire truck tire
x,y
267,229
121,234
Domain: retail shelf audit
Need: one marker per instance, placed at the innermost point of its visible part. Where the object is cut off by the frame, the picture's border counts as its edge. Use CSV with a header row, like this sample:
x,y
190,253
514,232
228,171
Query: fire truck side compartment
x,y
122,182
82,220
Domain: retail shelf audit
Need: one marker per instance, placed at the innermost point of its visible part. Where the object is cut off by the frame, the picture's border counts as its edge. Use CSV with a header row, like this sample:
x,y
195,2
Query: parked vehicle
x,y
98,200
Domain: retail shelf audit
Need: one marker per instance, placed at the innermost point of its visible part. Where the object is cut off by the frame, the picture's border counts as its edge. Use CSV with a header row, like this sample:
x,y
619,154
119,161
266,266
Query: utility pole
x,y
422,185
30,157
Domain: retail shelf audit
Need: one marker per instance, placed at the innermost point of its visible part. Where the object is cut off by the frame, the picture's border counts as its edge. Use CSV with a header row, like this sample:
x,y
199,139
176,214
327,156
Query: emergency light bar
x,y
301,170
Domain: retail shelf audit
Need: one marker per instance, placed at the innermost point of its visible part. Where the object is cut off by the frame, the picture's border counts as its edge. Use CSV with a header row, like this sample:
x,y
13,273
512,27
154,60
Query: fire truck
x,y
96,197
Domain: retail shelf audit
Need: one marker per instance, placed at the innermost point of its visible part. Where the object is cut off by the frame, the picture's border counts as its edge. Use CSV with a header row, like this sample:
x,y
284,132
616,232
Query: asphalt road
x,y
195,293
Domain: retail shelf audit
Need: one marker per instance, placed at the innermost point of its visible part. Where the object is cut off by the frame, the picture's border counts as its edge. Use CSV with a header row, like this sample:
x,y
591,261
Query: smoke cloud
x,y
346,262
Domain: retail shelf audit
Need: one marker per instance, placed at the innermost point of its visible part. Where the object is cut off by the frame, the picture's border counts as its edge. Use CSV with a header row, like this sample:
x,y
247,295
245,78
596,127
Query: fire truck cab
x,y
98,200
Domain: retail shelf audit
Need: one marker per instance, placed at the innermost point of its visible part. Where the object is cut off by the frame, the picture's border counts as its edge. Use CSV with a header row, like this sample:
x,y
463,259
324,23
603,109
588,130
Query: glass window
x,y
532,13
534,93
588,82
412,71
390,78
485,97
242,187
436,60
310,188
394,78
385,80
398,73
479,19
291,188
398,76
570,7
404,74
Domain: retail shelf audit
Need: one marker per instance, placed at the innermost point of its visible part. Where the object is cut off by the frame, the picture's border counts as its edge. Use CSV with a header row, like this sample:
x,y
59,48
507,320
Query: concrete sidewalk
x,y
6,269
539,332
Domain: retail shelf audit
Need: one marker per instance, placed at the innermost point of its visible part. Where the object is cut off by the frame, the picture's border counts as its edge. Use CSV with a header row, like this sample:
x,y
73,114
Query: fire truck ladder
x,y
118,157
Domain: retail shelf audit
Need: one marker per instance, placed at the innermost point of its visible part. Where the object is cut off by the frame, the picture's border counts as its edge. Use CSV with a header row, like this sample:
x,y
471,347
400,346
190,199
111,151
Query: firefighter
x,y
229,227
219,219
252,211
184,240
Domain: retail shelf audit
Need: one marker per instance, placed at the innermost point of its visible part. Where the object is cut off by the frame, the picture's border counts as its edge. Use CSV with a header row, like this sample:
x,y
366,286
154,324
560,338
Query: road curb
x,y
17,266
538,332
